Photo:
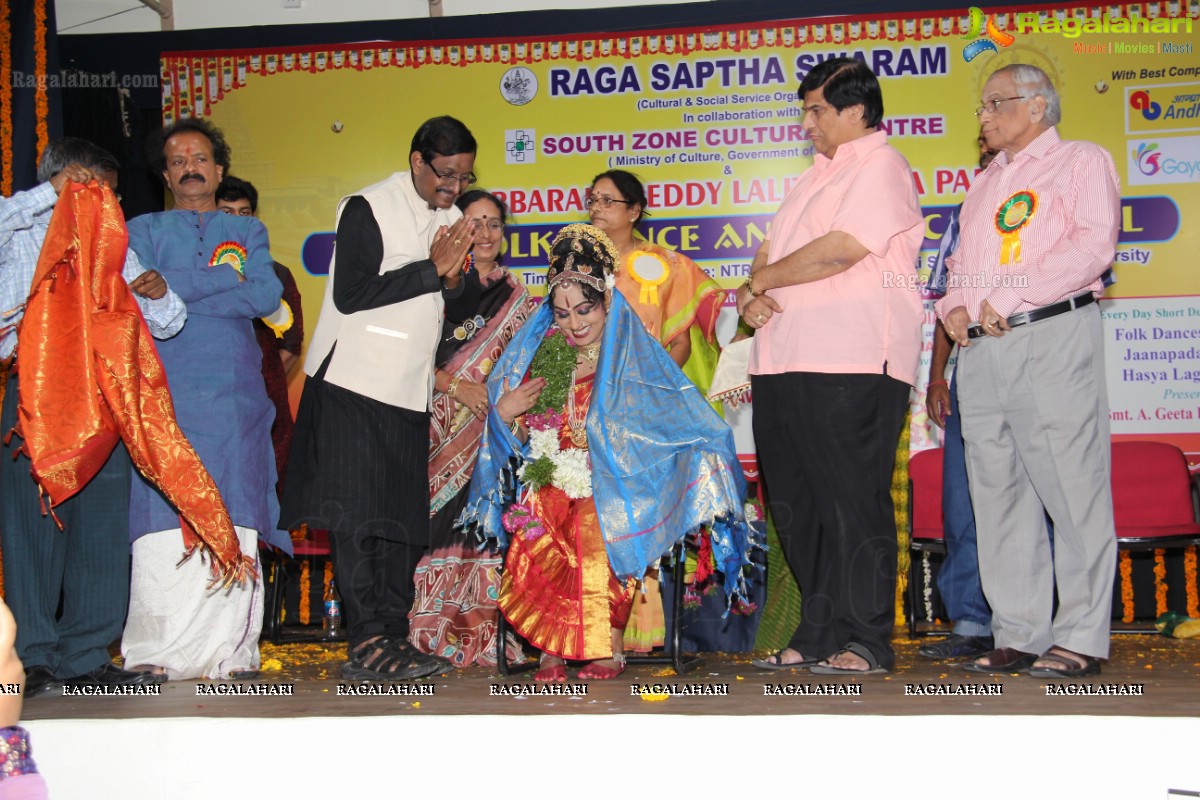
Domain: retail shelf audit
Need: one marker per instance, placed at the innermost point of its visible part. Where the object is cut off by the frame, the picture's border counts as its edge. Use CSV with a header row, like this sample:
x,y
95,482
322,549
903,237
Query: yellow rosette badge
x,y
650,271
1013,215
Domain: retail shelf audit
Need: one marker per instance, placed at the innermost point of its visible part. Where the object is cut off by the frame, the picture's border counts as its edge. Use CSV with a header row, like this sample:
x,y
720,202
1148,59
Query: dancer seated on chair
x,y
617,456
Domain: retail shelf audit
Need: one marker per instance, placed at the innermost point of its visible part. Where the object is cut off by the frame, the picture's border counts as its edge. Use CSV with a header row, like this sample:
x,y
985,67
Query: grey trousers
x,y
1035,421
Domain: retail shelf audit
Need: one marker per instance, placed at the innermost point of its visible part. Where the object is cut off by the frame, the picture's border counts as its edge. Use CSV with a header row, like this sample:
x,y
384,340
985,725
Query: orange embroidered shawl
x,y
90,376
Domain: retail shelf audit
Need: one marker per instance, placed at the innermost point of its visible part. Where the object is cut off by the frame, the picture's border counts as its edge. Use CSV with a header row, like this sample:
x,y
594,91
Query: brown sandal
x,y
1001,660
1072,664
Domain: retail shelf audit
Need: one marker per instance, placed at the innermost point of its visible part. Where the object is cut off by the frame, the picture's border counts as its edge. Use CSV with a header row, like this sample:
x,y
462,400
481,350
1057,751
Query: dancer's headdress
x,y
582,253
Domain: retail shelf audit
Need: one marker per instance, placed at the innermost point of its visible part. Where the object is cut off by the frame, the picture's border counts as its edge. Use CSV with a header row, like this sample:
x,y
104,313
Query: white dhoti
x,y
180,624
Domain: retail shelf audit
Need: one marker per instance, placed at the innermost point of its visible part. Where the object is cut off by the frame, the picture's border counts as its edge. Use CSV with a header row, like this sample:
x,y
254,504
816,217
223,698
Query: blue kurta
x,y
214,365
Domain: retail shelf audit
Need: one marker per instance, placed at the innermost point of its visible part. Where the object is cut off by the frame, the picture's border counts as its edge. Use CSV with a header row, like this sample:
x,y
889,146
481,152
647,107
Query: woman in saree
x,y
454,611
599,455
678,303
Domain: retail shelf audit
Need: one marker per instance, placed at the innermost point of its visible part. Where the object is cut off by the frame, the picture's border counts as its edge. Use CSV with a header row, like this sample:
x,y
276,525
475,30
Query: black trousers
x,y
375,579
82,569
827,446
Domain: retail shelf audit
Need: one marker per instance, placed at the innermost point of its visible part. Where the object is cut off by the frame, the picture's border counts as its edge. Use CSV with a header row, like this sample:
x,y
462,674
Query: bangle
x,y
515,426
748,285
937,383
452,387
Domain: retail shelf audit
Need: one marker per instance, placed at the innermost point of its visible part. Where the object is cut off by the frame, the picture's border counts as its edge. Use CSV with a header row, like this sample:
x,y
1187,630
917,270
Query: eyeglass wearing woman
x,y
674,299
616,204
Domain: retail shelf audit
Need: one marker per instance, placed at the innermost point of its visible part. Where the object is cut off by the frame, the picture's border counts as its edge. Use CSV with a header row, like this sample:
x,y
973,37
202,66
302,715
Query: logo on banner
x,y
520,146
983,25
1151,110
518,86
1172,160
1140,101
1147,158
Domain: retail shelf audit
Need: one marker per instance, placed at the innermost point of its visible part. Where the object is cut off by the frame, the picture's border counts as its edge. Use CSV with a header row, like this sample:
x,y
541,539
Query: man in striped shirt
x,y
1039,228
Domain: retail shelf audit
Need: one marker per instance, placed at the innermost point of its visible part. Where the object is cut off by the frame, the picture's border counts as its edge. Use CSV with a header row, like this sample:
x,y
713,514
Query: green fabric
x,y
781,613
702,365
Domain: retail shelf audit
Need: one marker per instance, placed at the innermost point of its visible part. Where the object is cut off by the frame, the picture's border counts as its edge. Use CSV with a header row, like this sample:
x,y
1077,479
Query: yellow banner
x,y
710,122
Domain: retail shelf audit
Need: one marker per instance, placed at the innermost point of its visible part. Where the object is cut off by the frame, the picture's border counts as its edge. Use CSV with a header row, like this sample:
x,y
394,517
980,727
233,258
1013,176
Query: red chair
x,y
1154,499
926,536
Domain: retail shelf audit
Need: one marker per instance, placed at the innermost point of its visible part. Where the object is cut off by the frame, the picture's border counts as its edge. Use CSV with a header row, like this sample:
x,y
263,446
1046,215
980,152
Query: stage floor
x,y
471,733
1149,675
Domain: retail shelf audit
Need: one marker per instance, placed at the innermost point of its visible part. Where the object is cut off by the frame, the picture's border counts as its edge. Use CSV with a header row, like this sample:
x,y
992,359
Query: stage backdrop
x,y
709,120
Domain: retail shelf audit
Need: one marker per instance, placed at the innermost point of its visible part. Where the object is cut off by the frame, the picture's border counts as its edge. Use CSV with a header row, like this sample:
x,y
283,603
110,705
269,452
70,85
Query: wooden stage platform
x,y
725,725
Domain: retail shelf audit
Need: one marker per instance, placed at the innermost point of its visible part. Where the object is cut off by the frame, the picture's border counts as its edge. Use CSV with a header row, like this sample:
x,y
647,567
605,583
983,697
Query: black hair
x,y
846,82
442,136
628,185
476,195
69,150
233,189
221,151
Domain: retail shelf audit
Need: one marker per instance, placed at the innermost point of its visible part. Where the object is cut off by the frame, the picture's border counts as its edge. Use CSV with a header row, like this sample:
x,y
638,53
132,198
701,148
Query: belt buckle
x,y
975,331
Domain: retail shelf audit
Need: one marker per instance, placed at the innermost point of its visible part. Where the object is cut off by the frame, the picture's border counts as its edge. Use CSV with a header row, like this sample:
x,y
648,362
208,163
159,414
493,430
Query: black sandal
x,y
385,659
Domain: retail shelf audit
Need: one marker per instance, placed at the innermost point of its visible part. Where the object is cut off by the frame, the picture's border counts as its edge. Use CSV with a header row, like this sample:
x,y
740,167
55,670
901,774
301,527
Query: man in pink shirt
x,y
1038,229
832,294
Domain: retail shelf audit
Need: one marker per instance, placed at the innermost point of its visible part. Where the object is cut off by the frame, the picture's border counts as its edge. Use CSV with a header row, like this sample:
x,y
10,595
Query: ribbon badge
x,y
230,253
1013,215
650,271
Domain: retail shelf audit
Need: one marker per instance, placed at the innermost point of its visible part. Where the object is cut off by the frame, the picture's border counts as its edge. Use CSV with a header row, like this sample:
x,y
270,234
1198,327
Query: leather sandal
x,y
1001,660
1073,665
775,662
385,659
853,648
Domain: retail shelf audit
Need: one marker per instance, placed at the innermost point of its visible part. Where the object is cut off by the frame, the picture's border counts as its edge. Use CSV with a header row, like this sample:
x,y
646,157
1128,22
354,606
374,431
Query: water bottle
x,y
331,623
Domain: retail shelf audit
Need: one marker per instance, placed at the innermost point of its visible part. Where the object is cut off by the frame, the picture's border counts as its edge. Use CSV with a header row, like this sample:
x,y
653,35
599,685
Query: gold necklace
x,y
576,423
590,353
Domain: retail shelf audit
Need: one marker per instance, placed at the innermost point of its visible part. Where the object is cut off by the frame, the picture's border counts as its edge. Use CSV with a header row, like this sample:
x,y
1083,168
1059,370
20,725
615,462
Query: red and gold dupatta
x,y
90,376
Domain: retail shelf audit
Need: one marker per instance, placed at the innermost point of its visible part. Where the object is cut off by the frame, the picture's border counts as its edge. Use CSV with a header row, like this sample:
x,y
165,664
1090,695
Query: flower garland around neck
x,y
548,464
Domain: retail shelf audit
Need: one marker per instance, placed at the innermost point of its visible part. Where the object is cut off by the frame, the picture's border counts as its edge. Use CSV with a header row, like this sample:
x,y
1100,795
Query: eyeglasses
x,y
493,225
992,106
449,177
603,201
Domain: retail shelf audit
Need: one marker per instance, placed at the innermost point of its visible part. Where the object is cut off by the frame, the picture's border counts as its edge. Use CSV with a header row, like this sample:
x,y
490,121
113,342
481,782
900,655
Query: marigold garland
x,y
39,52
1126,562
6,116
900,503
1189,578
1160,582
305,586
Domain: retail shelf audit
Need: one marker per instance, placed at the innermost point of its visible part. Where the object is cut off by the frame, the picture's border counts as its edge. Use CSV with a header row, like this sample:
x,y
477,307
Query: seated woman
x,y
454,611
678,303
599,455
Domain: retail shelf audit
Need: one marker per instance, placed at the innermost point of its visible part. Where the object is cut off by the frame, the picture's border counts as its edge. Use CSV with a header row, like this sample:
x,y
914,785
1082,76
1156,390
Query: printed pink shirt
x,y
1067,244
866,319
